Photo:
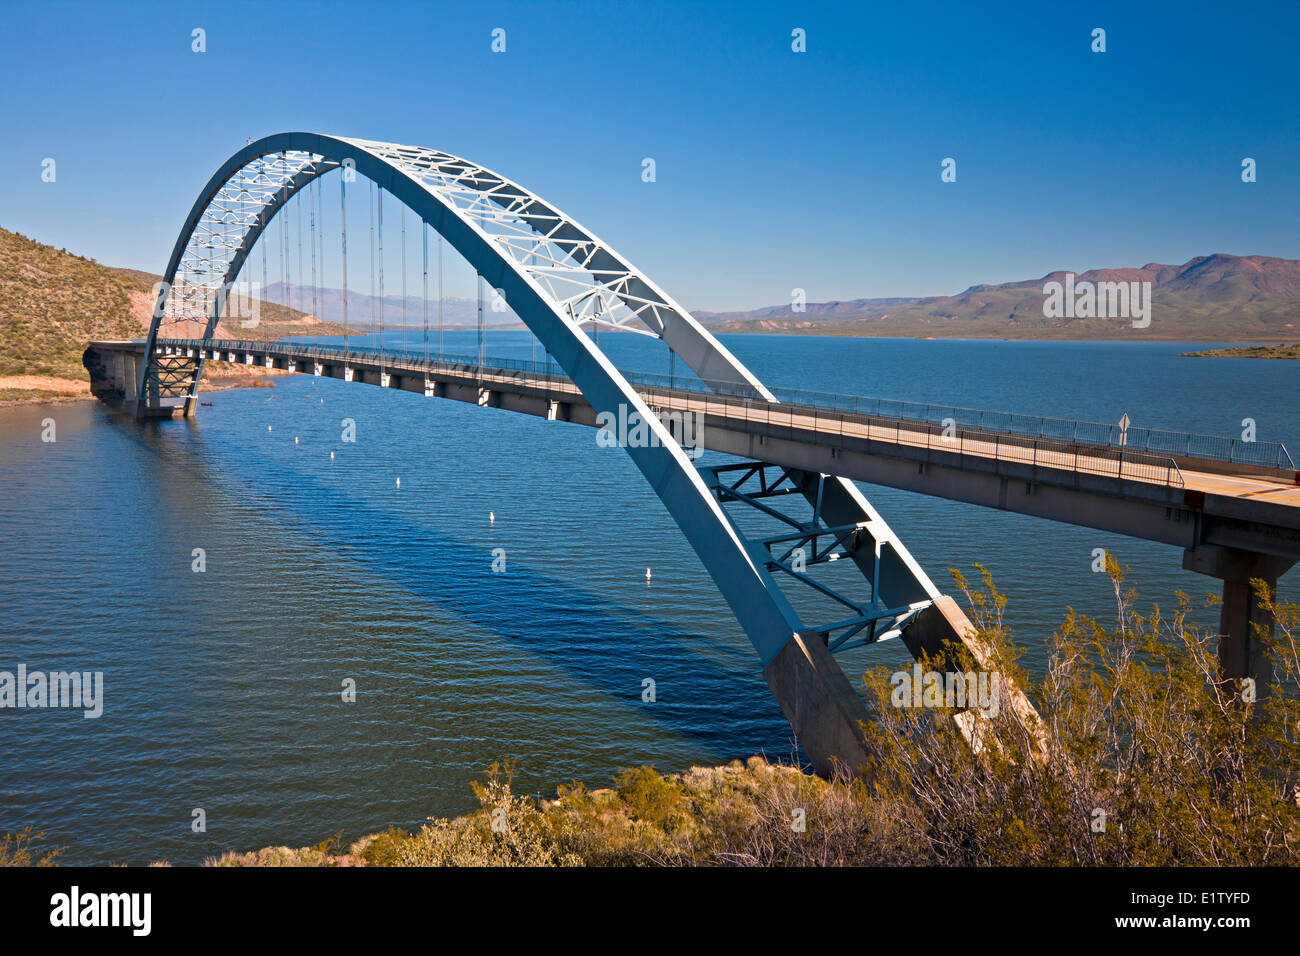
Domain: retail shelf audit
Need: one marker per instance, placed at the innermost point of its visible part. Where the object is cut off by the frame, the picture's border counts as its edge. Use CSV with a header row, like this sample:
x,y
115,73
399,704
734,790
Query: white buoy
x,y
492,517
647,575
295,439
331,456
399,482
268,427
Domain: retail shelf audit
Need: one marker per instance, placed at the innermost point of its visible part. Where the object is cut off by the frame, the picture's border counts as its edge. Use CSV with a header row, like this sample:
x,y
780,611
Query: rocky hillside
x,y
52,302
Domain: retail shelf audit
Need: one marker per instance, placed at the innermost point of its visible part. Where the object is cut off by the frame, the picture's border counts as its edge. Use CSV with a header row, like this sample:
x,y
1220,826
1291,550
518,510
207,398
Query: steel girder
x,y
558,278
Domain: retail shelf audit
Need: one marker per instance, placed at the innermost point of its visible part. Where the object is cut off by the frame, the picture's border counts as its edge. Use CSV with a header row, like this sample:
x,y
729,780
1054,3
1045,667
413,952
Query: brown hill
x,y
52,302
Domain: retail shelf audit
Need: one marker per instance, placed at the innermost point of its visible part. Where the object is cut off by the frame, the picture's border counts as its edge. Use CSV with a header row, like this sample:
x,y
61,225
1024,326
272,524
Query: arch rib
x,y
448,193
559,277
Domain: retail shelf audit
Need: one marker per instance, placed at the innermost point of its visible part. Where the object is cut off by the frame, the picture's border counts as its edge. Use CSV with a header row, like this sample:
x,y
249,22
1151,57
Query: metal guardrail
x,y
811,424
1156,441
1086,447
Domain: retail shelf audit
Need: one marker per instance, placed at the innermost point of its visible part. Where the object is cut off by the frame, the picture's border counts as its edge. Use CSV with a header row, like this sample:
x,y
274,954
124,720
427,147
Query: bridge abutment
x,y
114,369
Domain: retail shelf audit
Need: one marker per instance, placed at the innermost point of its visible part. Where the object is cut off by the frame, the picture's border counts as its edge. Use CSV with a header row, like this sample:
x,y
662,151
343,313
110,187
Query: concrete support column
x,y
1241,623
1241,620
819,702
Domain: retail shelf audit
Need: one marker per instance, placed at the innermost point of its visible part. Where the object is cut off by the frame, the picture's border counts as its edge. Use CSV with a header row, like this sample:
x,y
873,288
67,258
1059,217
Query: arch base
x,y
820,704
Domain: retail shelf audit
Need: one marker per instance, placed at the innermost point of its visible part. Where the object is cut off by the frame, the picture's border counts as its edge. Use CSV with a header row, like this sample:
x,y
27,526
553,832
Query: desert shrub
x,y
382,849
508,830
274,856
1151,757
23,849
650,796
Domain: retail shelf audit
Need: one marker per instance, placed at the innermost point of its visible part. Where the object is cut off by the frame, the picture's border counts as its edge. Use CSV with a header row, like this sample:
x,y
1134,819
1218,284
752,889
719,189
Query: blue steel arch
x,y
533,253
758,604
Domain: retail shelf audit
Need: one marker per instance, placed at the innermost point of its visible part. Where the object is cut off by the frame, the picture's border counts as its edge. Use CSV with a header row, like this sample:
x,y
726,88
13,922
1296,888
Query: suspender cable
x,y
297,209
404,308
286,263
532,260
370,210
440,349
262,243
424,234
280,241
320,243
343,234
481,343
312,197
379,203
279,252
286,273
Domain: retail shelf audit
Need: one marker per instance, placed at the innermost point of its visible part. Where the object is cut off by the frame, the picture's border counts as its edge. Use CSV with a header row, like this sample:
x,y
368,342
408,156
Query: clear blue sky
x,y
775,169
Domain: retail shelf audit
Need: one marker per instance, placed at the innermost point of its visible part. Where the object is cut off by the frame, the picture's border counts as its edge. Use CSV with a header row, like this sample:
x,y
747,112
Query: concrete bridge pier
x,y
1242,622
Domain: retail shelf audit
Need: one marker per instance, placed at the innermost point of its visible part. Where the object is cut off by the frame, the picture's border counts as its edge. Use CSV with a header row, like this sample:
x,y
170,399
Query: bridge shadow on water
x,y
709,691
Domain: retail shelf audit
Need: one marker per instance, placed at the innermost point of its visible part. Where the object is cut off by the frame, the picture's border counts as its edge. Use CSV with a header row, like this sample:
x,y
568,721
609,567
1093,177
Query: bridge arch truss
x,y
561,280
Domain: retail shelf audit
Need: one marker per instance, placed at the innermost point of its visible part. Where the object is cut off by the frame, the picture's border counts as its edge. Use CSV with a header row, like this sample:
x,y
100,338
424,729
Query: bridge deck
x,y
1008,447
1171,498
1011,449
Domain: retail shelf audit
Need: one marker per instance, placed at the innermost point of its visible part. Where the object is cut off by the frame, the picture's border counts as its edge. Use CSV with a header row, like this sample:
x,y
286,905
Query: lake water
x,y
222,688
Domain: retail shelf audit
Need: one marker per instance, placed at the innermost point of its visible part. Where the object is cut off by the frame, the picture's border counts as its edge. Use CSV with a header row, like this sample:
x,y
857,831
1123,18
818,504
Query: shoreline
x,y
53,397
1280,351
79,392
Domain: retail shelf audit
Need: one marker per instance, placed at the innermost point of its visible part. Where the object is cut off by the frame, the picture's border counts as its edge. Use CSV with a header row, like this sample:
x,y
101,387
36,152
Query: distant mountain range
x,y
365,311
1218,298
53,301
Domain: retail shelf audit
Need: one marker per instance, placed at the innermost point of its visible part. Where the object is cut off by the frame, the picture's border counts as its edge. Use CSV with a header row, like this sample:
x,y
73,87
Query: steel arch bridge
x,y
560,279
